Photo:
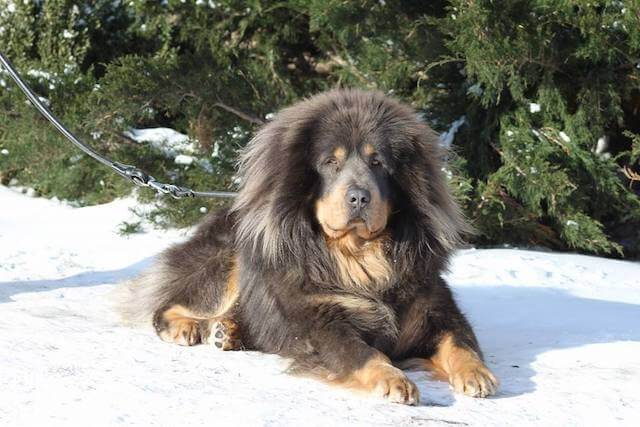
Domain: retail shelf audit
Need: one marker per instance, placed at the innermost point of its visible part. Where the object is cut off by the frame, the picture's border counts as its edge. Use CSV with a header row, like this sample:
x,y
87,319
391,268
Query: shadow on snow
x,y
89,278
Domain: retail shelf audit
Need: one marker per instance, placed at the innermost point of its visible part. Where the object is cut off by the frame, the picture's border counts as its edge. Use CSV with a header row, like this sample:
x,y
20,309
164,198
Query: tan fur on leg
x,y
182,326
380,378
231,292
463,368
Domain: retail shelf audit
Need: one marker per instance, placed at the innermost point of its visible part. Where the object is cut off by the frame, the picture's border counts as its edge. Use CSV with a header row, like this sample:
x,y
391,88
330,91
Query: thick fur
x,y
340,309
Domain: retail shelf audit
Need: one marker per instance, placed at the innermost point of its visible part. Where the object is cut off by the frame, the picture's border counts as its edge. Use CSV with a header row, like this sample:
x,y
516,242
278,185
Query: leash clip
x,y
139,177
170,189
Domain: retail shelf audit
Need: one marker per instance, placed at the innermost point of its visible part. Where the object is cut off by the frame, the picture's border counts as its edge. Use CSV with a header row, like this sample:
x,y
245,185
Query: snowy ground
x,y
561,331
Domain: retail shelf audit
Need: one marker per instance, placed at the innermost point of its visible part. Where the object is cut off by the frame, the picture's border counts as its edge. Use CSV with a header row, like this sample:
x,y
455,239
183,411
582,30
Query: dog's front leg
x,y
324,334
337,354
435,335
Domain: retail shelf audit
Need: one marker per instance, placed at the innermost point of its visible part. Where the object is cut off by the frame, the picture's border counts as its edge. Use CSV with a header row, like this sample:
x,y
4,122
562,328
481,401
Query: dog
x,y
331,255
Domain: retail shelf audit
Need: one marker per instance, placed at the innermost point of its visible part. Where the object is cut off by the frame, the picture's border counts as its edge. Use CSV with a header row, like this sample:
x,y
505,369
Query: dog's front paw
x,y
475,380
386,381
398,389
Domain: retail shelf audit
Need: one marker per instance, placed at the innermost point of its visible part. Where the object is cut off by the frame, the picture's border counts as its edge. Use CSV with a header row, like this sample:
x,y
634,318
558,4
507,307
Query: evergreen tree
x,y
549,80
544,96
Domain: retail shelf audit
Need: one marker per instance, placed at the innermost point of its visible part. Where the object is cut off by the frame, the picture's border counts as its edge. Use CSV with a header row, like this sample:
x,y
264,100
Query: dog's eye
x,y
331,161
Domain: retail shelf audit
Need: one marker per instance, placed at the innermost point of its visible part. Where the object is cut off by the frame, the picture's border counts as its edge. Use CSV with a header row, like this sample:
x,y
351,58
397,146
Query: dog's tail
x,y
137,300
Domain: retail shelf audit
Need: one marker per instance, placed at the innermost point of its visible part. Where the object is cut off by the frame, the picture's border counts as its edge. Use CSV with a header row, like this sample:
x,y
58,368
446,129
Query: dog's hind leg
x,y
190,294
179,324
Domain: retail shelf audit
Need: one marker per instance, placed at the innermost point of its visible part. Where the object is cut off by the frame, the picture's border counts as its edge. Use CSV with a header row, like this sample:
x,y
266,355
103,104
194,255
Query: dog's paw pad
x,y
223,335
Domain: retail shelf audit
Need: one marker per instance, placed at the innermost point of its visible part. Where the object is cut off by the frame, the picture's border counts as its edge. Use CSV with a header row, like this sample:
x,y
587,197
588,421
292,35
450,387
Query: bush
x,y
545,98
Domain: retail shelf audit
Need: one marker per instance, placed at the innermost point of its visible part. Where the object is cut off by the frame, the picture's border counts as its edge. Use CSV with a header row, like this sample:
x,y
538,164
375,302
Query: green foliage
x,y
543,180
125,228
215,69
634,153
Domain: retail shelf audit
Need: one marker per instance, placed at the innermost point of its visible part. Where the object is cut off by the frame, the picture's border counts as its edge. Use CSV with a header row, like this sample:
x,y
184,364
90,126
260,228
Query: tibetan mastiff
x,y
331,255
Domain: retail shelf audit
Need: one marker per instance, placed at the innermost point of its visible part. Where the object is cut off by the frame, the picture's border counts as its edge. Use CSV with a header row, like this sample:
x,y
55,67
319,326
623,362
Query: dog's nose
x,y
358,198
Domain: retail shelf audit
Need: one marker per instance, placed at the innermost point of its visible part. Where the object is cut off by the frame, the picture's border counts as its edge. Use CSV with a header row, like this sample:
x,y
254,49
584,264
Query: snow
x,y
174,145
602,147
183,159
216,150
564,136
562,331
446,138
475,90
42,75
168,141
42,99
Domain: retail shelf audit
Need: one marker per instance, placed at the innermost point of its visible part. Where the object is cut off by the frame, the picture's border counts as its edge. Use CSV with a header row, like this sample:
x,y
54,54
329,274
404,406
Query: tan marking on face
x,y
463,368
380,378
332,213
362,264
379,213
368,149
340,153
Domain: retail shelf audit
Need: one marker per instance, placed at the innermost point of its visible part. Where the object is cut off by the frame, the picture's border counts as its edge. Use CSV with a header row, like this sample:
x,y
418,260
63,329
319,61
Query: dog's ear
x,y
435,221
273,207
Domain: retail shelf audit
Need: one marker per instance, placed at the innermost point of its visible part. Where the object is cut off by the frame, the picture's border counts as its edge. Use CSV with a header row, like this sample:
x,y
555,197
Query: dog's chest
x,y
375,318
362,268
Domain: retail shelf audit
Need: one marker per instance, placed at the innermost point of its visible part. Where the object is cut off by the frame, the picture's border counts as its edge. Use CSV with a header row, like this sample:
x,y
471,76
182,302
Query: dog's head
x,y
344,163
353,166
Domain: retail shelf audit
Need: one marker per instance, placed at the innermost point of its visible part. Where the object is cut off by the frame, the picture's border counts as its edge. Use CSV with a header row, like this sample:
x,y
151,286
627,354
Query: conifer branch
x,y
248,117
633,176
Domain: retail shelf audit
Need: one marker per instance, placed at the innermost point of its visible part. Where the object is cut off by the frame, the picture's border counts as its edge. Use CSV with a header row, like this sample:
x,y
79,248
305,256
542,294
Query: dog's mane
x,y
275,224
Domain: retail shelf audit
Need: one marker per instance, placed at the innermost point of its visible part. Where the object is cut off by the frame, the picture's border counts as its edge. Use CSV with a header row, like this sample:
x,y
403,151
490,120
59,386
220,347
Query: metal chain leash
x,y
132,173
